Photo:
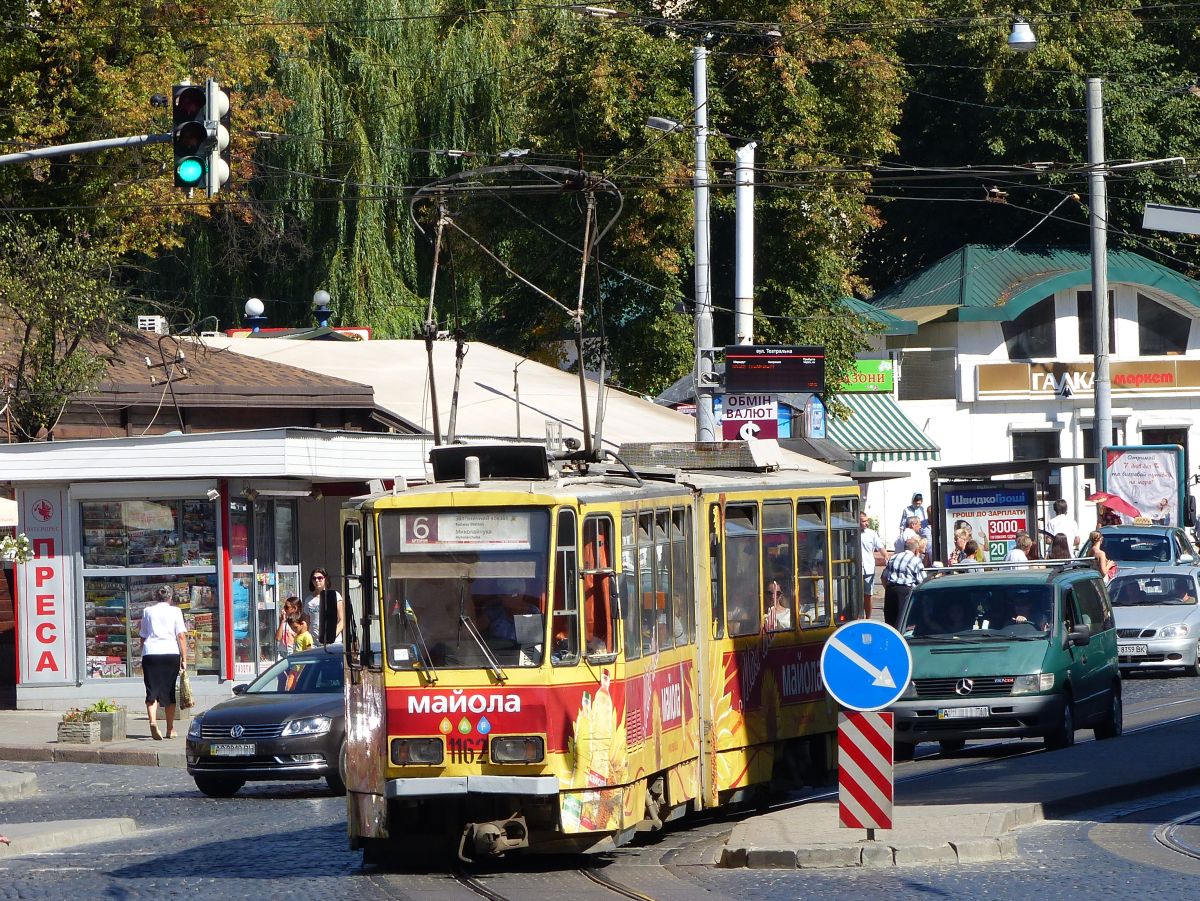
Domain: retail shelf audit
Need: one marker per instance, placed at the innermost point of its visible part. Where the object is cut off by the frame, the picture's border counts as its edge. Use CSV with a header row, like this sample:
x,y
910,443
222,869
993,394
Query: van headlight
x,y
1175,630
910,691
1033,683
310,725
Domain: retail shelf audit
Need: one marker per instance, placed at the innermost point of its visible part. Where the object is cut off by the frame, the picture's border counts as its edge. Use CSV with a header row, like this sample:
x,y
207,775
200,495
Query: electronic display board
x,y
774,369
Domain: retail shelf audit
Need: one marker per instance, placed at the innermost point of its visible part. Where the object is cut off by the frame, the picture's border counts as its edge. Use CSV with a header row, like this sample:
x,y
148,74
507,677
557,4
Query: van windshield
x,y
971,612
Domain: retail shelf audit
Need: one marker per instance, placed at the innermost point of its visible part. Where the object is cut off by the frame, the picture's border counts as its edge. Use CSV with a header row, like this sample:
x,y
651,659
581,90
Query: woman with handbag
x,y
874,554
164,656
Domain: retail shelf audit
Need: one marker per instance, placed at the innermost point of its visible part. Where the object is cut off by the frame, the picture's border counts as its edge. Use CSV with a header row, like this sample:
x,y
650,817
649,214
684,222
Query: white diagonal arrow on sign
x,y
883,679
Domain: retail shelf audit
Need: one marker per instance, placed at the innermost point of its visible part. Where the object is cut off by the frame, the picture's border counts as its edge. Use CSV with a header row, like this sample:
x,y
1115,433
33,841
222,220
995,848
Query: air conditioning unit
x,y
156,324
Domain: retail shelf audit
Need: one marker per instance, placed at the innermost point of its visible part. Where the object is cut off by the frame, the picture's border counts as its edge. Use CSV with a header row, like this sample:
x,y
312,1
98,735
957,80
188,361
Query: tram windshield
x,y
466,588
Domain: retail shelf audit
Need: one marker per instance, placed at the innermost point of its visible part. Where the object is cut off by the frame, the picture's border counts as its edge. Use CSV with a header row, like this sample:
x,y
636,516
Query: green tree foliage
x,y
59,307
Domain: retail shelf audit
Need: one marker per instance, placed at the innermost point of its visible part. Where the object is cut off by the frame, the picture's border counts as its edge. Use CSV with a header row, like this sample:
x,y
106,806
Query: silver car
x,y
1158,619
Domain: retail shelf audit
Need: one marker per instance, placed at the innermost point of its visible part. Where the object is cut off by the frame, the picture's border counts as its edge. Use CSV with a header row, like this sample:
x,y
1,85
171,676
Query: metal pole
x,y
25,156
743,291
706,426
1101,385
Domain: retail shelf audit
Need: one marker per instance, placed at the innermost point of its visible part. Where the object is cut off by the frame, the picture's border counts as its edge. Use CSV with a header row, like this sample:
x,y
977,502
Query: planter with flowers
x,y
111,718
78,727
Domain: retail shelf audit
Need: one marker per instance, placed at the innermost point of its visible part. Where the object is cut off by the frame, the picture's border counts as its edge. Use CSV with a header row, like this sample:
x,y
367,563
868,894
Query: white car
x,y
1158,619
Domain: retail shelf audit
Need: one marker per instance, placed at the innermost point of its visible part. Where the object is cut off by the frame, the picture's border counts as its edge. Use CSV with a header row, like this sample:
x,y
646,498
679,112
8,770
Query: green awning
x,y
878,430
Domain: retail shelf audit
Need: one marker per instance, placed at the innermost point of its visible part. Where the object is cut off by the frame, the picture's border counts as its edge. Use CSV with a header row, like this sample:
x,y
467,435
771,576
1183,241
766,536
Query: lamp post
x,y
320,305
1022,40
254,314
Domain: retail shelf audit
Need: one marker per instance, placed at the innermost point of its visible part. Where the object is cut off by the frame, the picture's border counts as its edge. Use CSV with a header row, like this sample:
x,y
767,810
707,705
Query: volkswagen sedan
x,y
289,723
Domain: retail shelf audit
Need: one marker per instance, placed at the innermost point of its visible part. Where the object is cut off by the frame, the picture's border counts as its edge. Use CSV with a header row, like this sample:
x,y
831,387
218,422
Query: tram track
x,y
610,887
1167,835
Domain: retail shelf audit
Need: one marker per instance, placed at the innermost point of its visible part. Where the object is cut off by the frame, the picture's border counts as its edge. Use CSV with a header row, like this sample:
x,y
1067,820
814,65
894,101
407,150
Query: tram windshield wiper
x,y
426,658
473,631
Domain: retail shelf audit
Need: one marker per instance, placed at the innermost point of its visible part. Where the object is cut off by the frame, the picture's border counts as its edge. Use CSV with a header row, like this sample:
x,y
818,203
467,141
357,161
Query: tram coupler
x,y
494,838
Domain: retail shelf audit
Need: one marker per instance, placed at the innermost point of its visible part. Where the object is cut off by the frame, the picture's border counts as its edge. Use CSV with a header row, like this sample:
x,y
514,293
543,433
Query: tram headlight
x,y
518,749
417,751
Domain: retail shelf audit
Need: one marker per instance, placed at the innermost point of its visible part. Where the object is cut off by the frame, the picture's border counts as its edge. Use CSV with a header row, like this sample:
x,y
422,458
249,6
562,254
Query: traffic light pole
x,y
83,147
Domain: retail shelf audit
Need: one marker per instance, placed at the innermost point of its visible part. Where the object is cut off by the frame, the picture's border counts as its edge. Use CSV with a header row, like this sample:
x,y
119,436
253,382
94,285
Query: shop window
x,y
779,567
564,619
1161,330
926,375
131,548
742,580
1031,335
597,585
1086,313
812,580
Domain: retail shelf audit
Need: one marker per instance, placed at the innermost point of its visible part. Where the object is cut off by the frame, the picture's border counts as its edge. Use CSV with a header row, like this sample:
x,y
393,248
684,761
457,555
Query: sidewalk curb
x,y
56,753
15,786
38,838
1001,845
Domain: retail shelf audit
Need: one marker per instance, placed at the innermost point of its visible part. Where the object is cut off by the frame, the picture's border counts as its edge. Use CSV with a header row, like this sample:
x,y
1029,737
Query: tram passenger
x,y
498,623
778,617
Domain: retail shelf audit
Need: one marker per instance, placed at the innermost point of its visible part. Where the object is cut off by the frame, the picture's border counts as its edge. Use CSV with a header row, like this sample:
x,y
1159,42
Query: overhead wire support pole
x,y
1101,381
706,426
578,316
430,323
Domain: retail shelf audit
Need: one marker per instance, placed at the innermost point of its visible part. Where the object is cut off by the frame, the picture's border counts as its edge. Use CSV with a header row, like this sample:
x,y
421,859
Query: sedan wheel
x,y
1064,735
337,780
1194,669
218,787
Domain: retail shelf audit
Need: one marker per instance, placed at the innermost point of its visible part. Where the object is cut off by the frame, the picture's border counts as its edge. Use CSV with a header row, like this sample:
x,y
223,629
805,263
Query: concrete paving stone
x,y
877,854
14,786
733,857
976,850
771,859
82,754
37,838
27,752
1008,847
823,857
925,855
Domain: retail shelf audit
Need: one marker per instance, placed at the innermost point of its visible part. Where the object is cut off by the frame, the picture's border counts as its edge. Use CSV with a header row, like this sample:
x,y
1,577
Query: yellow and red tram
x,y
556,655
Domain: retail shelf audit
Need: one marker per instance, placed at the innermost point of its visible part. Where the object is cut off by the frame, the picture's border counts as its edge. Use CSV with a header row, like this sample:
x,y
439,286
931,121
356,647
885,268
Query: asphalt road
x,y
288,840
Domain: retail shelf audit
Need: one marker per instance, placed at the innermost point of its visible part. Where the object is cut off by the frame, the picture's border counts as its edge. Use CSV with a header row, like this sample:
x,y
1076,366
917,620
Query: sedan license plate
x,y
1132,650
962,713
231,750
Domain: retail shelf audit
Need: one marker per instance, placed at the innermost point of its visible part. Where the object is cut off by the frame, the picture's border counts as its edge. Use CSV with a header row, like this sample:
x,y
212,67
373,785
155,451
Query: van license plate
x,y
231,750
1132,650
962,713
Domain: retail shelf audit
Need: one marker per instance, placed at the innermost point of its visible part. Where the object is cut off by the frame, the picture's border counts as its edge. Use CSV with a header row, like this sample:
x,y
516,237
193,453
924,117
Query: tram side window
x,y
564,620
811,571
597,587
716,571
846,550
666,629
631,595
742,591
779,568
681,576
647,580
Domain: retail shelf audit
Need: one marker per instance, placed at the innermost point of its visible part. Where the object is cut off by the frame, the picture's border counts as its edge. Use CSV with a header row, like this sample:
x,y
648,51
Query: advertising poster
x,y
992,512
1146,483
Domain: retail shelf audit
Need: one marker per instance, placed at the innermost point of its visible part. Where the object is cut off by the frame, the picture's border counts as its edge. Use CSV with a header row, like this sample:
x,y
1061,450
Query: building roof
x,y
985,283
891,325
491,380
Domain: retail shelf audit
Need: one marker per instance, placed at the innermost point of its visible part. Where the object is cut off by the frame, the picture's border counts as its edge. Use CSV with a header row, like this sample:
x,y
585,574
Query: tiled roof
x,y
997,283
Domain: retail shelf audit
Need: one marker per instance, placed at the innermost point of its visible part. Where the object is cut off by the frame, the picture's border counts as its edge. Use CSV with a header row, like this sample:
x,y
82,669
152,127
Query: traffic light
x,y
190,134
200,138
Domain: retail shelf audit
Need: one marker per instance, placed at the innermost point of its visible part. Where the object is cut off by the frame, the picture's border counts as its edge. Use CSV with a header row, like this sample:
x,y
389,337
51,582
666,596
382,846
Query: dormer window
x,y
1031,335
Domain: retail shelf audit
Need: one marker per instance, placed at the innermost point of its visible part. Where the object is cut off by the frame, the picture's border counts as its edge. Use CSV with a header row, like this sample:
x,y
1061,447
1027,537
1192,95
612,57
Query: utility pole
x,y
743,289
1101,384
702,376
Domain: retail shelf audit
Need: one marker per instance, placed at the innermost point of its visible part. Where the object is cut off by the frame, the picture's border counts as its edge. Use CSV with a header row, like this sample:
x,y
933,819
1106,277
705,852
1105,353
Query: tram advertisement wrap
x,y
992,513
1148,479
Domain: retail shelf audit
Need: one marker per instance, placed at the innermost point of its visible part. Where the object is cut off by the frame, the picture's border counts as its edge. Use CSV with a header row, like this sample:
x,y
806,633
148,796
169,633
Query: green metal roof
x,y
987,283
878,429
892,325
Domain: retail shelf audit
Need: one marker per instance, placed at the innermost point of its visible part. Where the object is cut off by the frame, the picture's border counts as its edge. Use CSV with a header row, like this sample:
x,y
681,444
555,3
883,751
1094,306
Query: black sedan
x,y
289,723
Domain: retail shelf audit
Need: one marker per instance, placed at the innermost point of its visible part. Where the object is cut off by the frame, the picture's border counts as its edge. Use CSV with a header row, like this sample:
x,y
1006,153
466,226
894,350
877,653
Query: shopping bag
x,y
186,699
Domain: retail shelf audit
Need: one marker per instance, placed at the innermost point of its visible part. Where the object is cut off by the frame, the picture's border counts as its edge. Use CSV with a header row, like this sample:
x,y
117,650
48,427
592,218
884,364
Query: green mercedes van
x,y
1019,652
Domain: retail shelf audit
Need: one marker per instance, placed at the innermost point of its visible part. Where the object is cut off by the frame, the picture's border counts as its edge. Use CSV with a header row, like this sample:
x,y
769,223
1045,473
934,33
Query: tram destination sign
x,y
774,369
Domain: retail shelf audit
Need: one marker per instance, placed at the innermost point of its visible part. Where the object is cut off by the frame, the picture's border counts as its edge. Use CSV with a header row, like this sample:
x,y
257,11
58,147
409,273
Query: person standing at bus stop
x,y
873,554
903,573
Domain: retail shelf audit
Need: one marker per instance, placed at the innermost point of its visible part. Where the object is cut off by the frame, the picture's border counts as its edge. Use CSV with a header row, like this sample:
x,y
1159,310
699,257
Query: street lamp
x,y
254,314
320,305
1022,39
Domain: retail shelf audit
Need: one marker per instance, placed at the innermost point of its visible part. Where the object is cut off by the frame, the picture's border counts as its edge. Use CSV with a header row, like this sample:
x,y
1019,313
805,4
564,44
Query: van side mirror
x,y
240,689
1079,635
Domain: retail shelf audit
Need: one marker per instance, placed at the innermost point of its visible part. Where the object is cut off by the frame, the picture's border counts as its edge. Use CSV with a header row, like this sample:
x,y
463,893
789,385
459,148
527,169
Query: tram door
x,y
264,551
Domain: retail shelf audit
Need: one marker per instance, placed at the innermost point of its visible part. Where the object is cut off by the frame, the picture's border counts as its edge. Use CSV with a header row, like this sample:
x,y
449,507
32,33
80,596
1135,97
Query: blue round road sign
x,y
866,665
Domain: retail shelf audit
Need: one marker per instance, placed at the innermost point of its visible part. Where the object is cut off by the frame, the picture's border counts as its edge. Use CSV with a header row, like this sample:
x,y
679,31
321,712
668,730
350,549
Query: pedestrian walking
x,y
164,657
903,573
874,554
1063,522
318,584
912,529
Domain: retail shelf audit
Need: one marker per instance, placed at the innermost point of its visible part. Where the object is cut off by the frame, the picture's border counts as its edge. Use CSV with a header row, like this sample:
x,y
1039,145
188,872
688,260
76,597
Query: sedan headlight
x,y
309,725
194,728
1033,683
1175,630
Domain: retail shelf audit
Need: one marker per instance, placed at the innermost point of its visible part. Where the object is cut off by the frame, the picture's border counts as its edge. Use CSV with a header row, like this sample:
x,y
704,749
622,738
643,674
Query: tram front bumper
x,y
529,786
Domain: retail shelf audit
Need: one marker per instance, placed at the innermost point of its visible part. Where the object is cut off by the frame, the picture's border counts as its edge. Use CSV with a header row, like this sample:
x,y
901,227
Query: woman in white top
x,y
164,657
318,581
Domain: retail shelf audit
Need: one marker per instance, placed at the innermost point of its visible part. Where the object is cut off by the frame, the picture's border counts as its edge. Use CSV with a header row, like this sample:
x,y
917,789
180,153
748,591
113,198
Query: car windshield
x,y
301,675
980,613
465,588
1152,590
1125,547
